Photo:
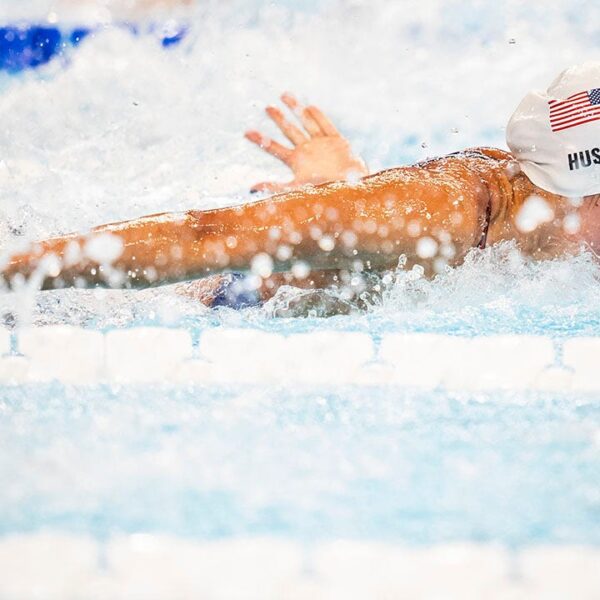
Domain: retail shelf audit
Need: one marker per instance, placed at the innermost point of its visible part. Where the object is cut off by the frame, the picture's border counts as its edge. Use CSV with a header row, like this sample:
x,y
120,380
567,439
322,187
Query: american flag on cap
x,y
580,108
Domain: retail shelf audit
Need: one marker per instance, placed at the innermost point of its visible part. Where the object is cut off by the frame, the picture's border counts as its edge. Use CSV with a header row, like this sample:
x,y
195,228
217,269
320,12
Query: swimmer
x,y
334,219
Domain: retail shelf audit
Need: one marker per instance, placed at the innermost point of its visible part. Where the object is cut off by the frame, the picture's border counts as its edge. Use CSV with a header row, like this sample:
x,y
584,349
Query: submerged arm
x,y
424,213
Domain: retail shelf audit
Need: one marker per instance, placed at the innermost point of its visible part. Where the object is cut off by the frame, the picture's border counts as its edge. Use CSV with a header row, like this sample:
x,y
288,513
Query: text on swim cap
x,y
584,158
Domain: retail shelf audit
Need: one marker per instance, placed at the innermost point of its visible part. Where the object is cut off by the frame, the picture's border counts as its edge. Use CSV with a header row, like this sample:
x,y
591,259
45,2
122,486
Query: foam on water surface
x,y
494,292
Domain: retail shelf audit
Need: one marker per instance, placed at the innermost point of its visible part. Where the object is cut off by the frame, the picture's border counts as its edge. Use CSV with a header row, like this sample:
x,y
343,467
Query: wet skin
x,y
331,227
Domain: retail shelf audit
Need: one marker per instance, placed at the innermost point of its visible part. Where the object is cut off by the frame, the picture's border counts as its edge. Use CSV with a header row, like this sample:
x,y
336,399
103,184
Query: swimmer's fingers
x,y
293,133
303,114
270,146
327,127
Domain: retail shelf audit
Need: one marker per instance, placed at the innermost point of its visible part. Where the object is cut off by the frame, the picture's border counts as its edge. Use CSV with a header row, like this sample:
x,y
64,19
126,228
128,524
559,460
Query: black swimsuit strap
x,y
488,217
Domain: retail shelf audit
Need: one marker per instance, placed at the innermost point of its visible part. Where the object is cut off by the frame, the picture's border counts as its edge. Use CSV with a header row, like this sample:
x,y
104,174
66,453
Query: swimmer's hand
x,y
319,152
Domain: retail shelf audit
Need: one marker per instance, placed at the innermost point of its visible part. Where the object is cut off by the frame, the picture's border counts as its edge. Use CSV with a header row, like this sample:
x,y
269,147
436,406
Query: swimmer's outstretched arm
x,y
412,211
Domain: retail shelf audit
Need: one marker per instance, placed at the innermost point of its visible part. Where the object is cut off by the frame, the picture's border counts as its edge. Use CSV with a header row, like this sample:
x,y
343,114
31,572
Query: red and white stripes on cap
x,y
577,109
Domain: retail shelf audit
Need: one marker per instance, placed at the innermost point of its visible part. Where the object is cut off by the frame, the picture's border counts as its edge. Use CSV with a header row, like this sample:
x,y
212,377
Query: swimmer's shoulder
x,y
491,164
481,154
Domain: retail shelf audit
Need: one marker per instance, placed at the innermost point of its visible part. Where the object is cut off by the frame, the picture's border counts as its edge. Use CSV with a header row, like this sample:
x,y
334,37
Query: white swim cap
x,y
555,136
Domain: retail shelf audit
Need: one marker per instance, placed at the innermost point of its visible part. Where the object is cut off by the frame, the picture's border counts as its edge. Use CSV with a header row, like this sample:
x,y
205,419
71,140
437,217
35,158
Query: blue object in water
x,y
235,293
29,46
174,38
23,47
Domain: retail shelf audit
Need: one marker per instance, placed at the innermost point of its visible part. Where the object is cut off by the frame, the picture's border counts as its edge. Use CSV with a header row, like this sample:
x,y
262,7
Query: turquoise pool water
x,y
378,463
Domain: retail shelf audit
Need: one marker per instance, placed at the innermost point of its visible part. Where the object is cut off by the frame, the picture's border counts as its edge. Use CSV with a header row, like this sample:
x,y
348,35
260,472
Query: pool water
x,y
375,463
127,128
